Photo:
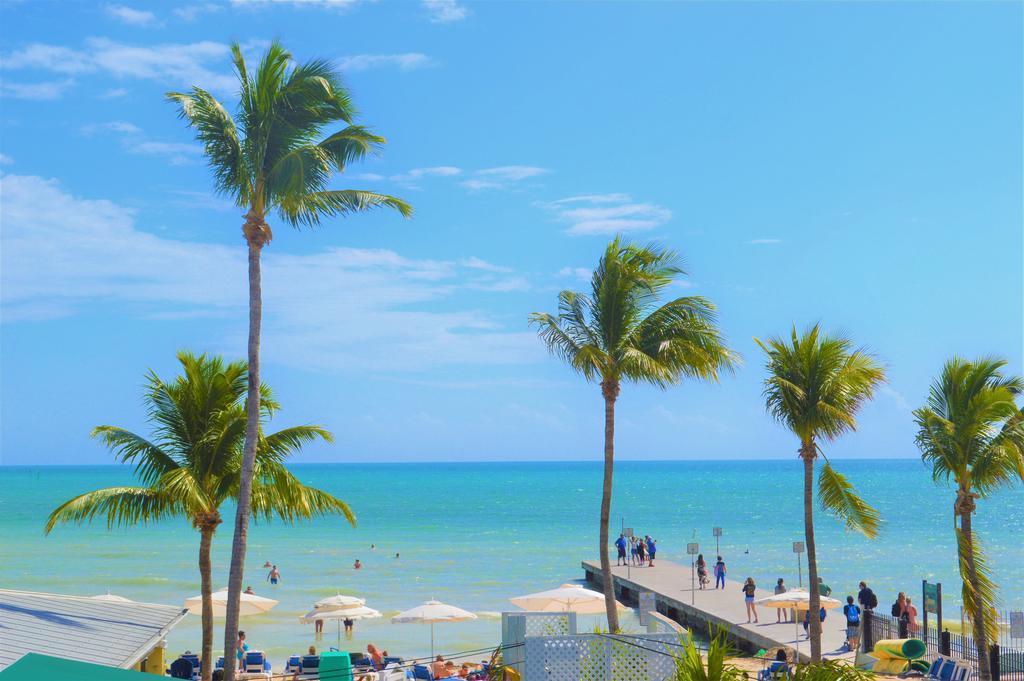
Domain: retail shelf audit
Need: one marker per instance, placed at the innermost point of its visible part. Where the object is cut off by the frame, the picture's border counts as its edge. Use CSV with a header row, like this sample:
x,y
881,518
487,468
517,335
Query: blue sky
x,y
854,163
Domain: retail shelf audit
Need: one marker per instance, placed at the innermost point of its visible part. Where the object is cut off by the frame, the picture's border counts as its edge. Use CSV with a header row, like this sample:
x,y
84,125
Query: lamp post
x,y
693,548
798,548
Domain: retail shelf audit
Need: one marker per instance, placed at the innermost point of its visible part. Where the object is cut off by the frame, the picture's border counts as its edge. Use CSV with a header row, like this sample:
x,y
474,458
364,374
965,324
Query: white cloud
x,y
330,4
482,184
476,263
404,62
131,16
172,64
62,254
5,160
192,12
38,91
580,273
762,242
512,173
607,214
114,93
897,397
420,173
374,177
134,141
445,11
501,177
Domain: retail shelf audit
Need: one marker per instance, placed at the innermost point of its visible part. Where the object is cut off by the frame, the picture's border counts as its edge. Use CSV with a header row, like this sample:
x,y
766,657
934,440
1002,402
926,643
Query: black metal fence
x,y
1007,663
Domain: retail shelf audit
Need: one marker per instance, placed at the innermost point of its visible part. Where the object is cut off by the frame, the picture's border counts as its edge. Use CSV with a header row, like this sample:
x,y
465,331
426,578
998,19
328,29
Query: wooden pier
x,y
698,609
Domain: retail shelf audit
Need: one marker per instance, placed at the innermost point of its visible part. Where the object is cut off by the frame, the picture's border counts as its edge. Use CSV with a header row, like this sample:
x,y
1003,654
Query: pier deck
x,y
670,584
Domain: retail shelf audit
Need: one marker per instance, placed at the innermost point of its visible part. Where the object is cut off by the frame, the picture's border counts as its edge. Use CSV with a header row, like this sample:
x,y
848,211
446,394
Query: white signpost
x,y
798,548
717,531
692,549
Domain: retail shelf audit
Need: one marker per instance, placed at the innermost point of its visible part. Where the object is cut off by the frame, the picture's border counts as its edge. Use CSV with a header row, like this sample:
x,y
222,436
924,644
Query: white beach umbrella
x,y
111,597
566,598
797,599
431,613
339,602
251,604
355,612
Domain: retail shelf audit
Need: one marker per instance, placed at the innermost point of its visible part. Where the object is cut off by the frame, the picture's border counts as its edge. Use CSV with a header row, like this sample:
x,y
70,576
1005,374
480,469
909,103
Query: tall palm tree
x,y
192,464
620,333
272,155
971,431
816,384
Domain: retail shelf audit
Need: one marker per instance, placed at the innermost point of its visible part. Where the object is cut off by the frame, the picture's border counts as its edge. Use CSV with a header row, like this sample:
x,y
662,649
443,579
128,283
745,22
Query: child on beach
x,y
749,589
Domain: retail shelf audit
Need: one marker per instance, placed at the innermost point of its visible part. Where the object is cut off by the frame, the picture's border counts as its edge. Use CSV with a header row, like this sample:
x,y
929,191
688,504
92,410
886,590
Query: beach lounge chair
x,y
220,663
256,662
774,672
293,664
309,665
422,673
391,672
183,668
389,660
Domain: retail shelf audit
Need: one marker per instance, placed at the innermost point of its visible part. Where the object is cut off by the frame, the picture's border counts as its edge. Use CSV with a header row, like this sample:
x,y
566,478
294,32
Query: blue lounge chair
x,y
933,671
776,670
310,664
389,660
293,664
220,663
422,673
256,662
946,671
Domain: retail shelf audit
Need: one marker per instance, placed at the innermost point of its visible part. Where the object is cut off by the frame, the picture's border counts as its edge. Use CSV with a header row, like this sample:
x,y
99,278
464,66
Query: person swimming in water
x,y
274,575
358,565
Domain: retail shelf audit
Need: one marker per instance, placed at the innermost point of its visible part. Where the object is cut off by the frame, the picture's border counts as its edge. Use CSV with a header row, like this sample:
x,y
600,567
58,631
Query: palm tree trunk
x,y
977,617
257,233
610,391
808,454
206,589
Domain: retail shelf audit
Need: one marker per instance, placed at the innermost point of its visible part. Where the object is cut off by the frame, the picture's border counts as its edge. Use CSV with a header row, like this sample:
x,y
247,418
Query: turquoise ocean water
x,y
475,534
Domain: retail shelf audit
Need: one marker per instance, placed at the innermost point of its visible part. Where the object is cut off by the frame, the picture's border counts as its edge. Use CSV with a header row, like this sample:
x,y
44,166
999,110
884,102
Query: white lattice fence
x,y
591,657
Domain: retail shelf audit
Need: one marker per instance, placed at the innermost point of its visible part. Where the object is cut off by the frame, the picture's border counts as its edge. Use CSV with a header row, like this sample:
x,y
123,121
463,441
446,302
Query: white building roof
x,y
117,634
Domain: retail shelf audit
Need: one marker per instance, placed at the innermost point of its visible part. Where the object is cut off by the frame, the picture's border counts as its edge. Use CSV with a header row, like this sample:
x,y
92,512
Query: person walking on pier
x,y
720,573
852,613
702,572
620,544
641,552
652,548
749,589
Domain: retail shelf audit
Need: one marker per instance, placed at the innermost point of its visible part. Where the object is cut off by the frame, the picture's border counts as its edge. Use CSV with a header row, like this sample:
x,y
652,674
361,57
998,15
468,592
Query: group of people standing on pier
x,y
640,551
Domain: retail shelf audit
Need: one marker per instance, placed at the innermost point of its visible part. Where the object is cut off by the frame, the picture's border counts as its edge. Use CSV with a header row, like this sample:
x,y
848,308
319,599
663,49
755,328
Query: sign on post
x,y
717,531
931,598
798,548
627,531
693,548
647,605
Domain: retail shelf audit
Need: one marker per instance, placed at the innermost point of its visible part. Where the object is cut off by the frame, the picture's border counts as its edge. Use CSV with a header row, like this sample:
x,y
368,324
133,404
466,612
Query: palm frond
x,y
216,130
351,144
150,461
122,506
309,209
838,497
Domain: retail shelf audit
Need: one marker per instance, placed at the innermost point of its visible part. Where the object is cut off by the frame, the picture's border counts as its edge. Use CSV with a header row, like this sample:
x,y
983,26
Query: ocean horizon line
x,y
400,462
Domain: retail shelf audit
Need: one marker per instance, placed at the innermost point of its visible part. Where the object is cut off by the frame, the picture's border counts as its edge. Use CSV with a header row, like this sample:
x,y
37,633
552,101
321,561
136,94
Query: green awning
x,y
36,667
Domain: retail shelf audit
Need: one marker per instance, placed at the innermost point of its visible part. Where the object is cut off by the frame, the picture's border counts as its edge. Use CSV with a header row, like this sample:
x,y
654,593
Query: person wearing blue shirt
x,y
652,548
620,544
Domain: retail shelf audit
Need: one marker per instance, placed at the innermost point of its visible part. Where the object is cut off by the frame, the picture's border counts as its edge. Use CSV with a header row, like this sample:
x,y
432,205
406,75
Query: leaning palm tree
x,y
816,384
192,464
620,333
971,431
270,156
